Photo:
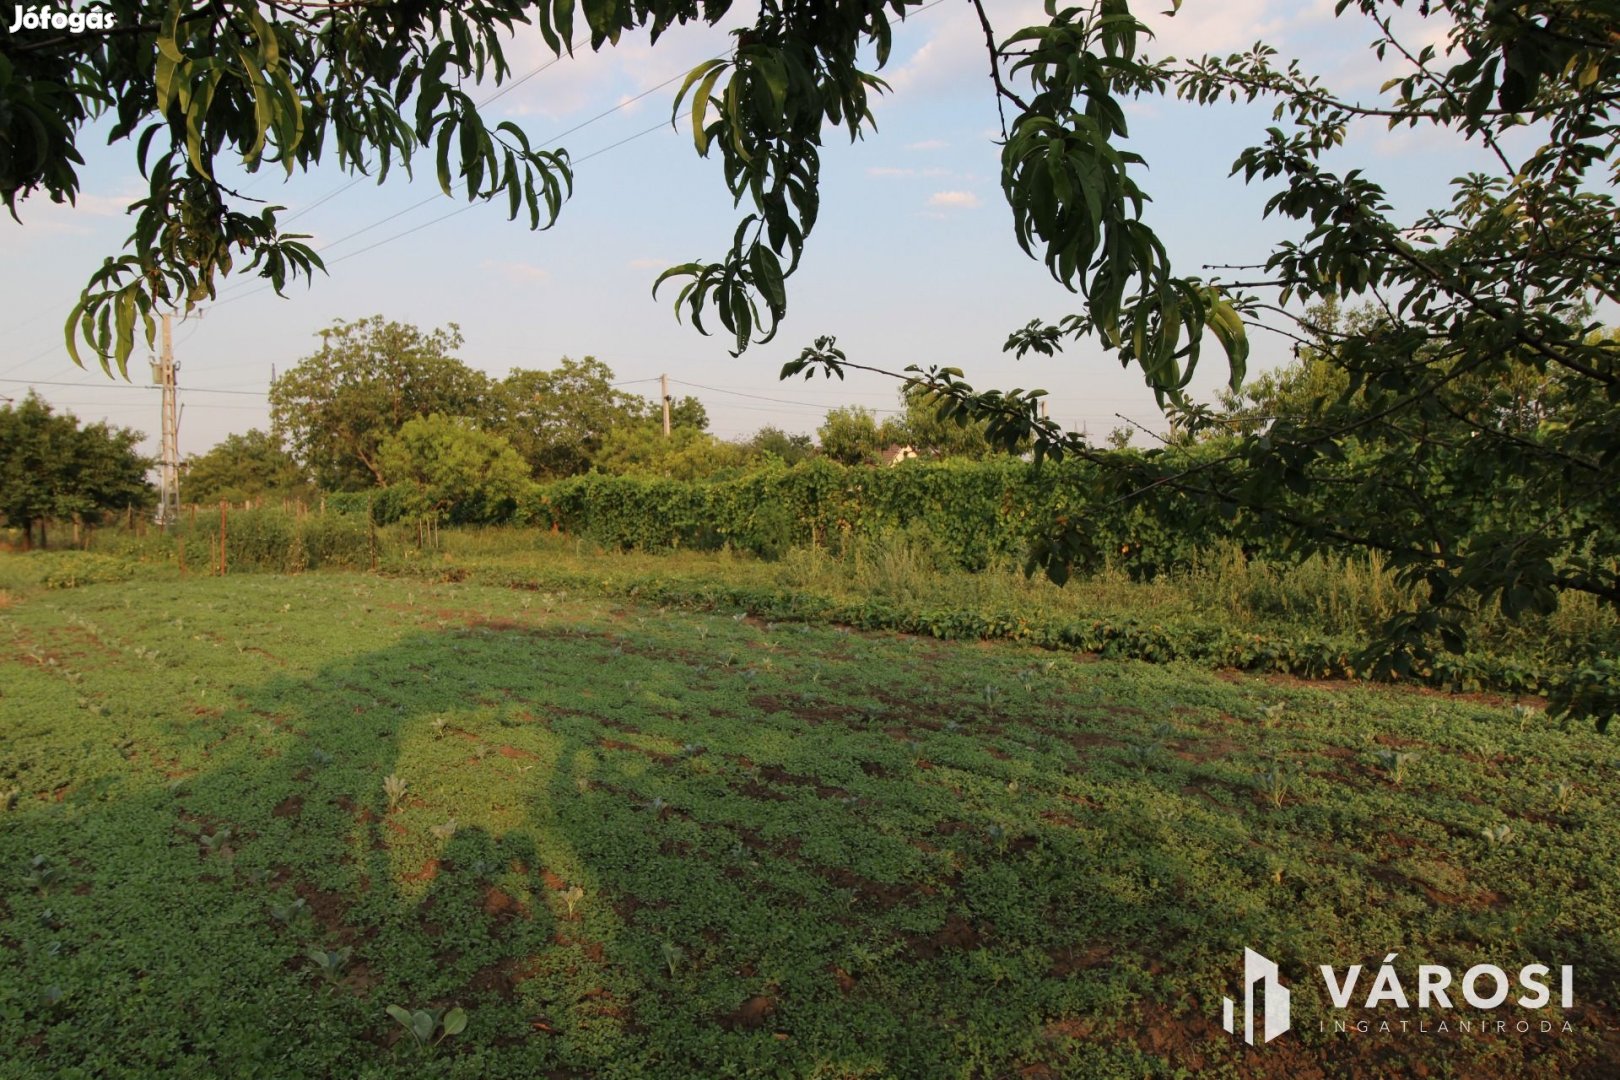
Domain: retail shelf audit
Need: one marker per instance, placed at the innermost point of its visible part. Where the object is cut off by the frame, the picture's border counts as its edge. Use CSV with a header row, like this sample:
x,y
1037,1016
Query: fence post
x,y
222,564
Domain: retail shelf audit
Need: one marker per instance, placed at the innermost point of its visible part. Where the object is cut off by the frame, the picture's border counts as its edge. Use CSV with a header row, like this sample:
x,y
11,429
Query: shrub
x,y
70,569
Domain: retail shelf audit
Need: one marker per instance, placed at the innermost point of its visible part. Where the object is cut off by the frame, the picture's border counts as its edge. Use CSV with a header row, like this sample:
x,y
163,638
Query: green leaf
x,y
600,16
455,1021
700,106
447,130
262,114
690,269
125,341
772,70
768,278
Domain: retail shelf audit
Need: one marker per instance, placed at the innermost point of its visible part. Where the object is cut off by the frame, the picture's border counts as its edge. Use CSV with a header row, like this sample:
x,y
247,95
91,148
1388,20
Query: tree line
x,y
54,469
382,404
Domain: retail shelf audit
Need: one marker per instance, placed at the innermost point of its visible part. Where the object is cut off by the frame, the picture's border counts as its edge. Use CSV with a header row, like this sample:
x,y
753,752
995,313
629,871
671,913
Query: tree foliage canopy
x,y
688,453
50,467
852,435
367,380
445,466
253,465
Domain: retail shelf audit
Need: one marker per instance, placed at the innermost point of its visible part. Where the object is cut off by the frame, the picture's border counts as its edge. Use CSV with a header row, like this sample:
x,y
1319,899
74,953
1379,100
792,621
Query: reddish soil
x,y
957,935
428,872
616,744
1070,959
498,905
750,1015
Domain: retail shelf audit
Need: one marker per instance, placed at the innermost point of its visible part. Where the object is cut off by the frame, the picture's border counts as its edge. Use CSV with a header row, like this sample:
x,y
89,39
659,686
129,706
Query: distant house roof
x,y
893,455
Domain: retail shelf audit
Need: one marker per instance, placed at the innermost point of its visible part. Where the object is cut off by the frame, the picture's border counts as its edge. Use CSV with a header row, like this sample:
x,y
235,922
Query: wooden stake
x,y
222,565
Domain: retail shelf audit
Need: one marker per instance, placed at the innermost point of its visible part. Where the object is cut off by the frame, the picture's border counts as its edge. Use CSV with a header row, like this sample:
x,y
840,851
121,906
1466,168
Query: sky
x,y
913,259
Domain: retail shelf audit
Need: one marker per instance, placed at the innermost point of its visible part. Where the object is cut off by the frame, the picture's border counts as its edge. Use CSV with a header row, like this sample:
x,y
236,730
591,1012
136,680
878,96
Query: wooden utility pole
x,y
663,382
163,373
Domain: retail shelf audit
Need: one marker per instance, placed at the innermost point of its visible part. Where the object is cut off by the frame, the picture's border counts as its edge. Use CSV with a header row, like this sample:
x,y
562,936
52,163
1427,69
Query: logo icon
x,y
1256,969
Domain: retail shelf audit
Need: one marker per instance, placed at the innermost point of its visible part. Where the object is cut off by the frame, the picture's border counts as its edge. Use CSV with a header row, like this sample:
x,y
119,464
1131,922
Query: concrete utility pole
x,y
163,373
663,382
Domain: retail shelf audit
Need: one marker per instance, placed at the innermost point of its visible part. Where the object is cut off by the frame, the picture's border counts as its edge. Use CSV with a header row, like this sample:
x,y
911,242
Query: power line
x,y
135,386
550,142
78,385
431,221
507,89
779,401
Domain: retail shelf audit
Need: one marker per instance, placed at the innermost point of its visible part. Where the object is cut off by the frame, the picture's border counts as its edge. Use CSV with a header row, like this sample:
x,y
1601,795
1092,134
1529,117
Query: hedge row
x,y
975,514
269,539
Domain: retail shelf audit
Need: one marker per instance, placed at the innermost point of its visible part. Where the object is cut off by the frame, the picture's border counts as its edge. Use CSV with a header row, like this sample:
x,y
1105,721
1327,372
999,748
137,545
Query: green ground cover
x,y
636,841
1312,618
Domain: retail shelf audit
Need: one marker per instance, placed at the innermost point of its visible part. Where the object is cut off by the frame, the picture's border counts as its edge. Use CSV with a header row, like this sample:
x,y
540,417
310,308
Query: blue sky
x,y
912,261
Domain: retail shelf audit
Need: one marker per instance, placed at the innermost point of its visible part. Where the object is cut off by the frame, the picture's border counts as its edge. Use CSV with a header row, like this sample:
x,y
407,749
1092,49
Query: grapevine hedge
x,y
973,514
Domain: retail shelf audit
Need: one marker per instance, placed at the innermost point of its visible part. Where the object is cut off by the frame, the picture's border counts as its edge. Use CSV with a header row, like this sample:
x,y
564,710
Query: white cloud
x,y
928,144
104,205
519,272
40,216
965,200
956,46
889,171
1354,67
1206,26
648,264
579,86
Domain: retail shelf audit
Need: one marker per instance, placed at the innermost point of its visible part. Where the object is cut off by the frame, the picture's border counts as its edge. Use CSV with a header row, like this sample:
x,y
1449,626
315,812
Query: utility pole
x,y
663,382
163,373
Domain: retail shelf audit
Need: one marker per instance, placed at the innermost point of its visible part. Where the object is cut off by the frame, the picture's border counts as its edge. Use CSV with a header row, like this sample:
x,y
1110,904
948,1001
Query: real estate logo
x,y
1483,987
1274,1004
77,22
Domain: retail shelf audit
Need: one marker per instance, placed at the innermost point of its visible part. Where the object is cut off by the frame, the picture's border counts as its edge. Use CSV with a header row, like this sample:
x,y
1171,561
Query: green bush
x,y
270,539
70,569
975,514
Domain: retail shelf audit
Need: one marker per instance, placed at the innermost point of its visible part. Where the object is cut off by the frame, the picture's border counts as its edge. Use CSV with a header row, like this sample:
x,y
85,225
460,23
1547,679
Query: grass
x,y
634,842
1320,597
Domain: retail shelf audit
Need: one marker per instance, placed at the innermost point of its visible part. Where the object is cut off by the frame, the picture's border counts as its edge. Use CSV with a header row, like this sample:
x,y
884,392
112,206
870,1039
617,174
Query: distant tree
x,y
686,454
852,435
685,412
926,432
369,378
253,465
447,467
50,467
790,449
103,473
556,419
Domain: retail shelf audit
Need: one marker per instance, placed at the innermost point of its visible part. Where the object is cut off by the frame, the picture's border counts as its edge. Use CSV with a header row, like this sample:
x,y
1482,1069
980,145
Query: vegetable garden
x,y
339,824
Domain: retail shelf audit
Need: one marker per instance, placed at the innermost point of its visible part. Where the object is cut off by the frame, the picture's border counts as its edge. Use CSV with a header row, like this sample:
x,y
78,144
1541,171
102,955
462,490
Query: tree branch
x,y
995,68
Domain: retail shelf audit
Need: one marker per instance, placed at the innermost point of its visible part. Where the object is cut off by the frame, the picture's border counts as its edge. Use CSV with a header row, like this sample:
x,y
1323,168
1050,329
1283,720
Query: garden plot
x,y
338,825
